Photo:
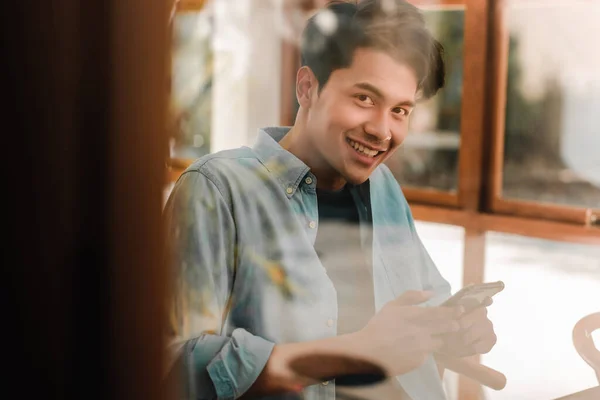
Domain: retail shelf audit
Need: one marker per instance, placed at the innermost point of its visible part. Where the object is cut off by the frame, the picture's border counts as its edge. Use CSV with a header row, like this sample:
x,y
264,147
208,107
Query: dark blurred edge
x,y
83,135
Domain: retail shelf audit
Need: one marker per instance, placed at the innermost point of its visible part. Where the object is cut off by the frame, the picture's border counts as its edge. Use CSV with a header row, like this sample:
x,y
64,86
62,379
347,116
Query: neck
x,y
297,142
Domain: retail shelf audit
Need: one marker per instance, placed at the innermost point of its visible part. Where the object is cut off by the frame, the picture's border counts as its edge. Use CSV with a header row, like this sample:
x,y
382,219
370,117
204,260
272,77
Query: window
x,y
549,287
429,156
191,82
445,245
547,91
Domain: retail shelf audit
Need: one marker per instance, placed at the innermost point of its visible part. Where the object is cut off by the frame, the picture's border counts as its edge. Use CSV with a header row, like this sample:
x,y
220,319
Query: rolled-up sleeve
x,y
201,242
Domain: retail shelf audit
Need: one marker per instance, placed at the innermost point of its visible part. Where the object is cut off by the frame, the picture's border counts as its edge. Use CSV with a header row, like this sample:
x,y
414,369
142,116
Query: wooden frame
x,y
189,5
473,110
524,226
431,196
495,201
473,106
438,4
497,100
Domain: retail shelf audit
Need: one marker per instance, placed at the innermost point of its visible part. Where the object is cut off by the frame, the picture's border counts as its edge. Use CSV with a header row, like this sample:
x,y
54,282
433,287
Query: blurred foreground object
x,y
85,83
376,383
480,373
584,342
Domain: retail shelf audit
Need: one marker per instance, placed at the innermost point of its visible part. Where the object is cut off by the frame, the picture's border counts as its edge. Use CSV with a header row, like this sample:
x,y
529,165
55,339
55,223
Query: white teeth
x,y
359,147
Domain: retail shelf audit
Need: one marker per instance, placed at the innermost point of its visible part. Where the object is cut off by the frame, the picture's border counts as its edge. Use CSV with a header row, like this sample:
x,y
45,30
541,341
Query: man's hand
x,y
402,334
398,339
476,335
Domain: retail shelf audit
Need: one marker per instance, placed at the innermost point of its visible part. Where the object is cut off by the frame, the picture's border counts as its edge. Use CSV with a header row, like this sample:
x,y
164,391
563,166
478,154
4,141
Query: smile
x,y
361,149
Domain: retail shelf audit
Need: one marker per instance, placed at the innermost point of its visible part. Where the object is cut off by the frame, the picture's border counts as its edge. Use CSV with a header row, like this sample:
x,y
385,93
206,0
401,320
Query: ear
x,y
306,86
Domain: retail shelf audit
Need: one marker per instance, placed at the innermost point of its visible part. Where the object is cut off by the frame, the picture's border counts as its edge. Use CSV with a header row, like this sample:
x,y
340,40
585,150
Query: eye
x,y
401,111
363,98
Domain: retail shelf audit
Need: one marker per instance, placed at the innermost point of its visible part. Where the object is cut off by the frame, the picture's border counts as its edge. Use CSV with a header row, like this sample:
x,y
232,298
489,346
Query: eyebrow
x,y
367,86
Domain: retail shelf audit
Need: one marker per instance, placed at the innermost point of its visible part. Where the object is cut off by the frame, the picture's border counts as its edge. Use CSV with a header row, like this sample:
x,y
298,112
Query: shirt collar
x,y
285,166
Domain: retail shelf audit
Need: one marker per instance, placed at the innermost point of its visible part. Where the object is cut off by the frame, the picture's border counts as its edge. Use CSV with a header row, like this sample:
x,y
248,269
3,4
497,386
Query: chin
x,y
357,179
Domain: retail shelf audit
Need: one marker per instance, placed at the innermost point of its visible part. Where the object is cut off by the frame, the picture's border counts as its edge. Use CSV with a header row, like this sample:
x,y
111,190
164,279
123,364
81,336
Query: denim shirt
x,y
242,225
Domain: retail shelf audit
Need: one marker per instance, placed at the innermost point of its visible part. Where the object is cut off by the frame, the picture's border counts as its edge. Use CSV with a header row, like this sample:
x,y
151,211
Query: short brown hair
x,y
394,26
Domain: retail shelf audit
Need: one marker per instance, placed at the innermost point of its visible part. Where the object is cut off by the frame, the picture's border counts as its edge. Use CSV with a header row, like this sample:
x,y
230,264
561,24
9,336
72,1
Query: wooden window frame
x,y
189,5
581,216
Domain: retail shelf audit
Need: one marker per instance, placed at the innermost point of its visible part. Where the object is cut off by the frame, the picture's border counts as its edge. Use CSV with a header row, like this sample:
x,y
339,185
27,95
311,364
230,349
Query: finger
x,y
488,302
459,309
471,304
439,326
482,331
427,343
484,346
469,319
444,327
426,314
474,304
413,297
455,347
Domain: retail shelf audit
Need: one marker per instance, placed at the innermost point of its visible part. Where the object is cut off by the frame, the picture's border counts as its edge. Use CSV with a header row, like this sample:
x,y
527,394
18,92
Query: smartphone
x,y
473,296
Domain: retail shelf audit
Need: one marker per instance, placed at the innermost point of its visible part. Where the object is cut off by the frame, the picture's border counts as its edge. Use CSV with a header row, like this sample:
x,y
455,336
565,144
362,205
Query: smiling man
x,y
303,248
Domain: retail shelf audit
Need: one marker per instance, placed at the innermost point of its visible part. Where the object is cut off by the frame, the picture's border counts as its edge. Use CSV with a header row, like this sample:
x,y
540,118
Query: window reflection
x,y
429,155
445,245
191,84
552,124
549,287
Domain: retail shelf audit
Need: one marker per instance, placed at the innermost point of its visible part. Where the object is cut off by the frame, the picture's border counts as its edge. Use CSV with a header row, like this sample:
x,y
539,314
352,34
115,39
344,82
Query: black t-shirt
x,y
346,256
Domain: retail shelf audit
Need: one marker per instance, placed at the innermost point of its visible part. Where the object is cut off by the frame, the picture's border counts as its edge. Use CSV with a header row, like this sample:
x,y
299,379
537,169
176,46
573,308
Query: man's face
x,y
360,118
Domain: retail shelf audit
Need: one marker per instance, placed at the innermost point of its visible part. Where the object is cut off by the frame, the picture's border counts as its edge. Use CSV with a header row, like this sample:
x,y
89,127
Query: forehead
x,y
396,80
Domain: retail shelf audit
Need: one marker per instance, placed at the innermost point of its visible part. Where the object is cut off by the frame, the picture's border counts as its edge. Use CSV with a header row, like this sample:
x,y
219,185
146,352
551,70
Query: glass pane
x,y
445,244
191,84
549,287
429,155
552,137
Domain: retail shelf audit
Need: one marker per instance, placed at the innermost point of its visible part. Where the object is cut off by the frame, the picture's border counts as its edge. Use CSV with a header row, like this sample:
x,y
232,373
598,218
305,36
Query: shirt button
x,y
289,190
312,224
308,180
330,323
325,383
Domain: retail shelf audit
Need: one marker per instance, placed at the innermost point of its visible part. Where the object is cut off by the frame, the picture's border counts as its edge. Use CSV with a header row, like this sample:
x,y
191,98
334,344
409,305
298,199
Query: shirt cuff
x,y
238,364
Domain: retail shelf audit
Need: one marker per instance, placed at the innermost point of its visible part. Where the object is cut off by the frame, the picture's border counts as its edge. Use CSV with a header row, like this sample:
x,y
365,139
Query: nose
x,y
378,128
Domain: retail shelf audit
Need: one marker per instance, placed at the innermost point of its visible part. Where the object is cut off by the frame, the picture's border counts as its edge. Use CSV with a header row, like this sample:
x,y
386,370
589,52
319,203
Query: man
x,y
260,286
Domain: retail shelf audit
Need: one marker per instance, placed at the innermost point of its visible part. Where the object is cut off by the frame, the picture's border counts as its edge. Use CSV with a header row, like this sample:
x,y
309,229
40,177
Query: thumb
x,y
413,297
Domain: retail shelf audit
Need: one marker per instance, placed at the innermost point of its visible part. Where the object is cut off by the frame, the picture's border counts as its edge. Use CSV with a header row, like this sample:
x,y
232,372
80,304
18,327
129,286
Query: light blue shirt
x,y
242,225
